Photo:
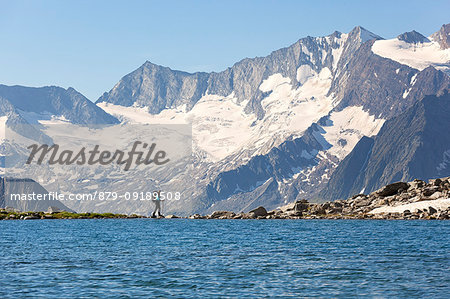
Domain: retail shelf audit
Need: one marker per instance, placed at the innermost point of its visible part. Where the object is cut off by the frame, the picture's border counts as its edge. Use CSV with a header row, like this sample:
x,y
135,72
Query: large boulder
x,y
392,189
417,184
259,212
301,205
435,182
428,191
222,215
197,216
319,209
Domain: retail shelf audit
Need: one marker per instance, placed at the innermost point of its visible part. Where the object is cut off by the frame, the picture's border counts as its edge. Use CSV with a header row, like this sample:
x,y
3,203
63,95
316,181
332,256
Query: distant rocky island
x,y
413,200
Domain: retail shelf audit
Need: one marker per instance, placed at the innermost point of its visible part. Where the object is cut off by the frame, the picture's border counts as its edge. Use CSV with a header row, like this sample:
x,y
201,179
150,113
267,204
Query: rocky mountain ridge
x,y
31,104
158,88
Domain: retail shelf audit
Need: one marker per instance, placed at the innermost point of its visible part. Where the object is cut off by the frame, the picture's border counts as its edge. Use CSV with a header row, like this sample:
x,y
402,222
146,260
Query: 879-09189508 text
x,y
163,195
99,195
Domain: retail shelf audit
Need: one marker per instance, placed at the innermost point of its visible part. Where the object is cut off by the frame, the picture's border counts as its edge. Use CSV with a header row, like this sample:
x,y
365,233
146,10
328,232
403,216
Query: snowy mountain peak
x,y
413,37
363,34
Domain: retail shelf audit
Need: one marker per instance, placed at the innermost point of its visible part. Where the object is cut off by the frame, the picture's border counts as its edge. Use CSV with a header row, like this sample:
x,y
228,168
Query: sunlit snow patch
x,y
348,127
415,55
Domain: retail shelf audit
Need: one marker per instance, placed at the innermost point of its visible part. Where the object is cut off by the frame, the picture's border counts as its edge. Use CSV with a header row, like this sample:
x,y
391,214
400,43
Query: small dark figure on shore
x,y
157,200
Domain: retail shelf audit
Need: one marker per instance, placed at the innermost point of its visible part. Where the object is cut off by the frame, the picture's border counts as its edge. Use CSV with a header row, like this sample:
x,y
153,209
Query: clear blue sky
x,y
90,45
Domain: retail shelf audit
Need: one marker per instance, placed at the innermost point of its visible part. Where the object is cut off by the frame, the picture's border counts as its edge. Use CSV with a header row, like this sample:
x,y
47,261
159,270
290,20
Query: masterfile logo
x,y
146,156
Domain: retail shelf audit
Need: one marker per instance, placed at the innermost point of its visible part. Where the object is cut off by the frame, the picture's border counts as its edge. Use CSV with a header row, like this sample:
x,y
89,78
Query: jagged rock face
x,y
443,36
54,101
10,186
413,37
411,145
346,178
158,87
383,86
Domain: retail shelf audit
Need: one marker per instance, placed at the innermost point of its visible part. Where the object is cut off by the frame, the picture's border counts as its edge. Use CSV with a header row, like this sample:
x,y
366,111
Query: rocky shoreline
x,y
401,200
413,200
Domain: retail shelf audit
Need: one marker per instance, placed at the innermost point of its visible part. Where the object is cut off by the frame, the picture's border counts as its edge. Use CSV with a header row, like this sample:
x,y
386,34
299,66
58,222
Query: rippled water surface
x,y
224,258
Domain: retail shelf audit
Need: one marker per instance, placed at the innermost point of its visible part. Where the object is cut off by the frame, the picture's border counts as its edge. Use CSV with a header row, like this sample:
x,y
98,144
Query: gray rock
x,y
53,209
221,215
430,190
259,212
436,182
416,184
431,210
171,216
301,206
318,209
196,216
392,189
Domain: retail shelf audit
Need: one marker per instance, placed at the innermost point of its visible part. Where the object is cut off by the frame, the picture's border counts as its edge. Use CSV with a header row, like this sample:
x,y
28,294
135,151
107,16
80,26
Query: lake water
x,y
224,258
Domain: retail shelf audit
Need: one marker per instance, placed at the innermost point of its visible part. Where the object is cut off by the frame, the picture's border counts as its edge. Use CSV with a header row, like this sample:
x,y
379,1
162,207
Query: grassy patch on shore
x,y
11,215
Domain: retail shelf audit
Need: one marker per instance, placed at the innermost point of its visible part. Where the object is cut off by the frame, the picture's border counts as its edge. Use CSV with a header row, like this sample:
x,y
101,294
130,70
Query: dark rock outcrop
x,y
443,36
413,37
392,189
259,211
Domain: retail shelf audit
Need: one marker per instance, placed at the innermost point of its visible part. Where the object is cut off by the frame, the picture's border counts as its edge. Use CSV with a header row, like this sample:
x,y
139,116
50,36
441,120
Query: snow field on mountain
x,y
348,127
219,124
3,120
418,56
220,127
291,111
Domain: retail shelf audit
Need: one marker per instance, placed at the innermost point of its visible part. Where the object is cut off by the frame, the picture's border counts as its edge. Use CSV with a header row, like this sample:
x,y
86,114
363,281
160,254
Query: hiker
x,y
157,201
